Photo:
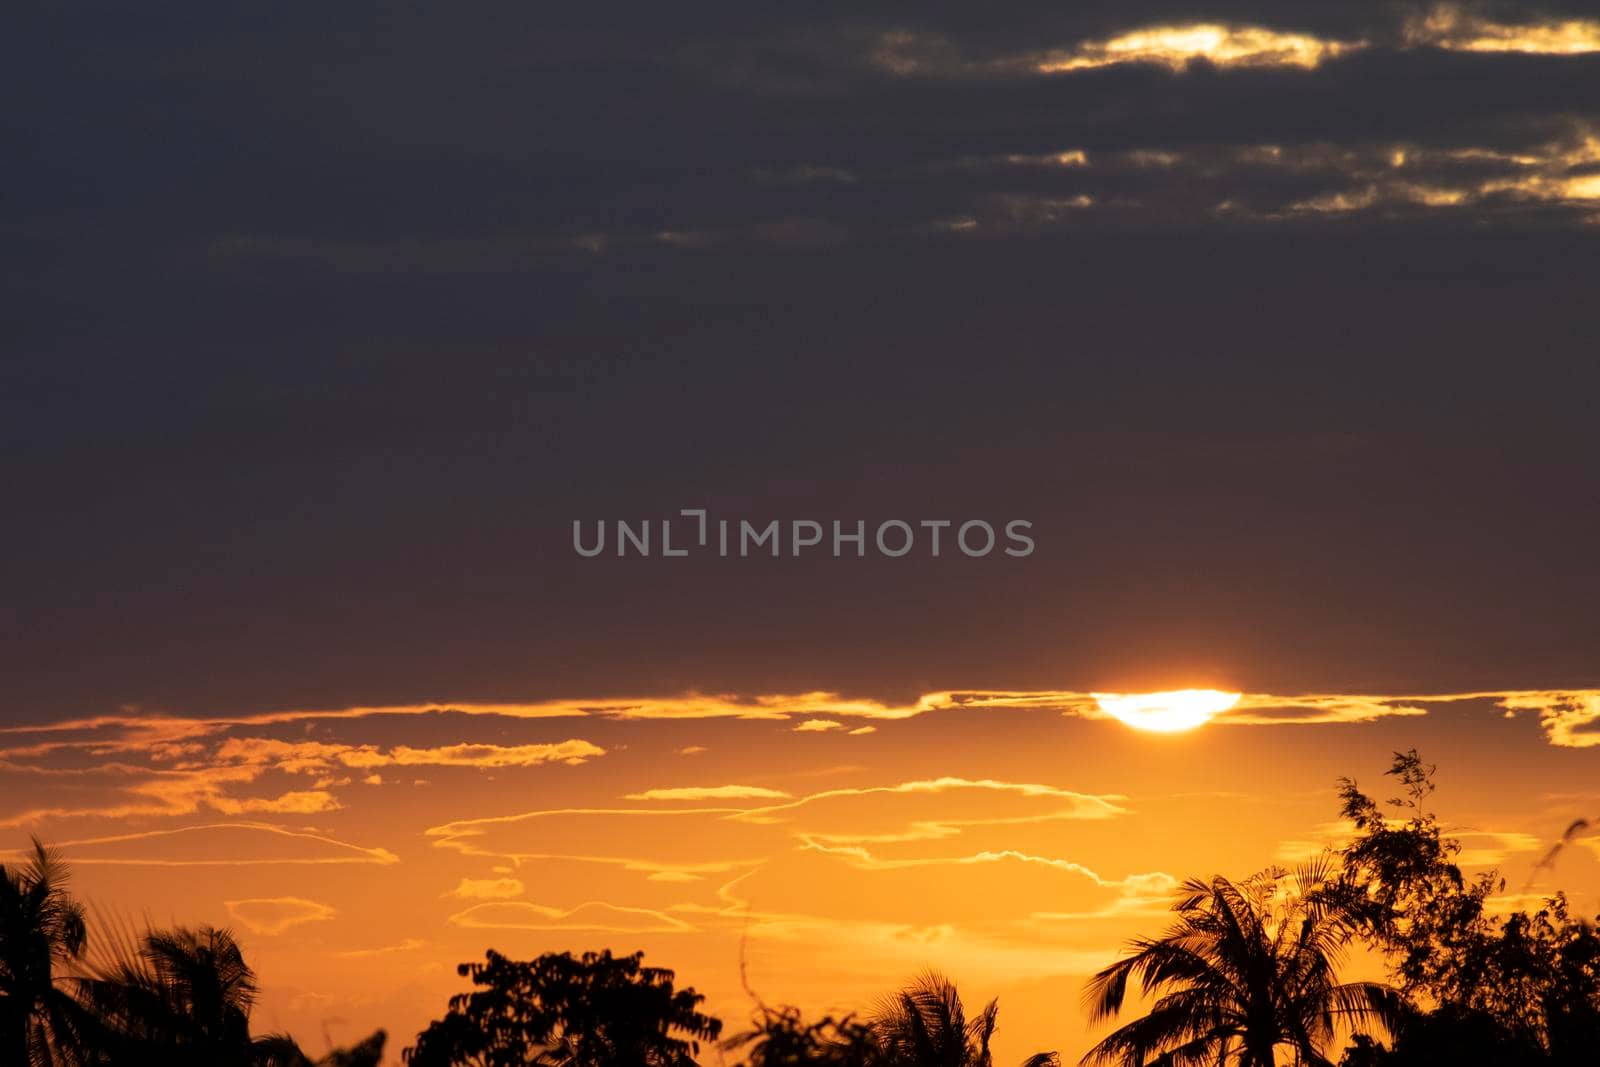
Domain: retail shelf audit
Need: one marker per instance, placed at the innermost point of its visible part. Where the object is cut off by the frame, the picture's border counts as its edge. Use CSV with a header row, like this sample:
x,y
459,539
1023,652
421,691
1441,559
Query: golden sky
x,y
835,845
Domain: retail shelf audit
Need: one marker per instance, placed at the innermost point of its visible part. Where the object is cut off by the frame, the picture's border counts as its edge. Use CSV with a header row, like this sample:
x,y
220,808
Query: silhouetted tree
x,y
780,1037
925,1025
1246,970
595,1011
1453,1035
183,998
1407,889
1247,973
41,930
368,1053
1524,985
1571,1001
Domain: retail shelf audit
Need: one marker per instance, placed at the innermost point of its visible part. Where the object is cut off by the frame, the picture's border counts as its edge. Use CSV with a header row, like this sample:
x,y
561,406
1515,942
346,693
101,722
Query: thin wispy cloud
x,y
710,792
594,916
818,726
271,916
1081,805
488,889
220,770
410,944
299,757
229,844
121,734
743,840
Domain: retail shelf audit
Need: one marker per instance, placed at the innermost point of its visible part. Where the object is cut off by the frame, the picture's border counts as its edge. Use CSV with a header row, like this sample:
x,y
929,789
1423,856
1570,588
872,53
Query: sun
x,y
1166,713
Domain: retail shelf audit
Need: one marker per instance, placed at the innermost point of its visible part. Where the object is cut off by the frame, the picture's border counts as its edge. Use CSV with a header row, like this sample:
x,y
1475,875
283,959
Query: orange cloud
x,y
1081,805
1265,709
710,792
487,889
410,944
591,915
124,734
271,916
295,757
1571,719
185,792
230,844
216,774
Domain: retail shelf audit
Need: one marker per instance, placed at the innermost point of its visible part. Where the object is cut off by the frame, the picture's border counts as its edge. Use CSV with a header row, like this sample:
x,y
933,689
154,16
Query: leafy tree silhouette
x,y
1405,887
597,1010
1515,989
780,1037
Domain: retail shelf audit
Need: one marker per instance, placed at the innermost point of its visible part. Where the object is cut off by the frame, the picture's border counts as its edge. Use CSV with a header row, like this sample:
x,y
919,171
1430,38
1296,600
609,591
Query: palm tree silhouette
x,y
1247,969
366,1053
925,1025
187,993
41,929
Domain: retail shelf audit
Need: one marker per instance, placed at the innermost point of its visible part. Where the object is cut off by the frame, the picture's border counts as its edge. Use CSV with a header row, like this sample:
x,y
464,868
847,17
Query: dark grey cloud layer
x,y
476,136
321,325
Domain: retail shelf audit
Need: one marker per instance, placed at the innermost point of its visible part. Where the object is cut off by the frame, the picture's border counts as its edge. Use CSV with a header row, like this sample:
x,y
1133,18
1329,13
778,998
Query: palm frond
x,y
1252,963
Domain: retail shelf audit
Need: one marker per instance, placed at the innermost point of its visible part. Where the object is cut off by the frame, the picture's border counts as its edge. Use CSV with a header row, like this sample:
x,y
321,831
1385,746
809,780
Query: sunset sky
x,y
324,325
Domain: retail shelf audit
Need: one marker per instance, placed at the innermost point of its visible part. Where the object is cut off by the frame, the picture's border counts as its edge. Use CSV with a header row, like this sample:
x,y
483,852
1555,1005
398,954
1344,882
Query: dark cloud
x,y
321,327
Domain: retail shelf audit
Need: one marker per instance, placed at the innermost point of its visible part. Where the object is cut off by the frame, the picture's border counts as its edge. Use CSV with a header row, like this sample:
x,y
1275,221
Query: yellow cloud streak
x,y
410,944
487,889
1175,46
1087,805
271,916
710,792
299,756
185,792
379,856
1567,717
459,836
907,53
521,915
1449,27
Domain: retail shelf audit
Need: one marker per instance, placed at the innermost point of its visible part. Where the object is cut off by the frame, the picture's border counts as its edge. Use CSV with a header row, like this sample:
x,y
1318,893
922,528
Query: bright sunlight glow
x,y
1166,713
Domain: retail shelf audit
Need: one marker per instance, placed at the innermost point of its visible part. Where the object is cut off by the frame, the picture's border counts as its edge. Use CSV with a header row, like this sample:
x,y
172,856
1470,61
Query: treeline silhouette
x,y
1246,975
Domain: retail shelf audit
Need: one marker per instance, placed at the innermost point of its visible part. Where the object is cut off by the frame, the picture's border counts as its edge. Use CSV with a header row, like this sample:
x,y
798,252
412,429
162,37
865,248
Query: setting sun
x,y
1166,713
